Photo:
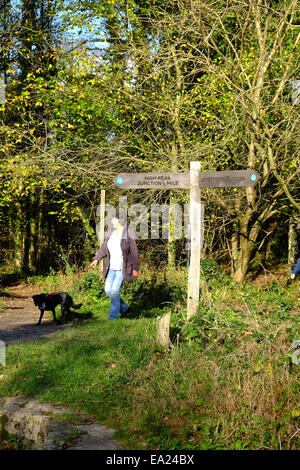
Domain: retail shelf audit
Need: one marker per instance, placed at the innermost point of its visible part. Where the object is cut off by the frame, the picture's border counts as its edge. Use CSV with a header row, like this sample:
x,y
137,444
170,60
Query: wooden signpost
x,y
195,234
194,180
214,179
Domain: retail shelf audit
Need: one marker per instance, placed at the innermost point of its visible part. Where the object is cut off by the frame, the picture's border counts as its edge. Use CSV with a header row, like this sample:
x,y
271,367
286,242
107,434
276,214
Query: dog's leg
x,y
41,316
55,319
64,313
69,314
64,309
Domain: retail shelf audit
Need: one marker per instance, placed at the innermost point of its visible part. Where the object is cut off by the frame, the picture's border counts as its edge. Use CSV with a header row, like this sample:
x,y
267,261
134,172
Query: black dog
x,y
49,302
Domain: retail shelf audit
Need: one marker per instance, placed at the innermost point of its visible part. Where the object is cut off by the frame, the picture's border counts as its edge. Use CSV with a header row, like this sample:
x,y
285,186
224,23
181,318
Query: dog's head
x,y
40,300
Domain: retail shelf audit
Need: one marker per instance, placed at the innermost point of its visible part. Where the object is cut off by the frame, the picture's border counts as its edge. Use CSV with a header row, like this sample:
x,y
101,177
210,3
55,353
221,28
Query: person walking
x,y
296,269
121,264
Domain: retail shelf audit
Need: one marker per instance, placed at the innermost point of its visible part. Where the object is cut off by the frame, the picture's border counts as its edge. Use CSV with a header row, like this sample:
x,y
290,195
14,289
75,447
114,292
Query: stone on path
x,y
47,427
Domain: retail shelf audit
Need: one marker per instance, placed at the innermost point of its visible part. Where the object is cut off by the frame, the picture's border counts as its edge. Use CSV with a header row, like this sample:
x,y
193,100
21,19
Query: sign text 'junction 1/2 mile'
x,y
214,179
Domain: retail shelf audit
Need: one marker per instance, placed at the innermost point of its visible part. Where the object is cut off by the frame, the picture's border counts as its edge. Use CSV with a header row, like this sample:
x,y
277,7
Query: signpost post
x,y
195,231
194,180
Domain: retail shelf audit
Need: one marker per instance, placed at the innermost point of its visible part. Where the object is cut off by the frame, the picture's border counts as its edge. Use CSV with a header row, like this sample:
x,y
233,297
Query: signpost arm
x,y
194,266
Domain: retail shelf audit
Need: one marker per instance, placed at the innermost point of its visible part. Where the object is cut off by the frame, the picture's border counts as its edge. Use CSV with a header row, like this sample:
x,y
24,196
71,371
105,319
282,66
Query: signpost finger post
x,y
195,230
194,180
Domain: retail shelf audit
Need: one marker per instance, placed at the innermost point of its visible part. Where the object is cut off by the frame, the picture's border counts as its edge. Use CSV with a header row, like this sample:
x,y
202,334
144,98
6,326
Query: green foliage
x,y
92,285
161,91
211,270
152,297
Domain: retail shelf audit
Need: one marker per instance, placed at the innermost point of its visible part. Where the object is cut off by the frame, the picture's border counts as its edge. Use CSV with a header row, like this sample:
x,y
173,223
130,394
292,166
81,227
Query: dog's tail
x,y
76,306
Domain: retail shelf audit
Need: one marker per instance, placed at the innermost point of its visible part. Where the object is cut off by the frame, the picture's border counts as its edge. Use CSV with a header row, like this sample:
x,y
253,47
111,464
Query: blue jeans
x,y
112,288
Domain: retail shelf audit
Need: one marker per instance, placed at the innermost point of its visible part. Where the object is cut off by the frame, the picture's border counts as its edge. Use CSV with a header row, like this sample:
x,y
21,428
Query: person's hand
x,y
293,276
135,273
93,264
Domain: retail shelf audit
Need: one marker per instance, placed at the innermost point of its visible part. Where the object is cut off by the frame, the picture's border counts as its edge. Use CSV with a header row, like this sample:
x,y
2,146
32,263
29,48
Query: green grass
x,y
228,383
86,367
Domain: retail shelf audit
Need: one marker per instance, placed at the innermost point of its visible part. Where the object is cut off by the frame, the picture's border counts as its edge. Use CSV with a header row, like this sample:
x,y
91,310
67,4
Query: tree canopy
x,y
95,88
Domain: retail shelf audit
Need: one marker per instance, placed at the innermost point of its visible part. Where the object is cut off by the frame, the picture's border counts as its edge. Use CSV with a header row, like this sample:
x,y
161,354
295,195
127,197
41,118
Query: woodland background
x,y
96,88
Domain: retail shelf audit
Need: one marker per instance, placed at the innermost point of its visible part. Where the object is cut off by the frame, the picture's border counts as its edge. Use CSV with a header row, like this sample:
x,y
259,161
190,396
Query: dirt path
x,y
19,317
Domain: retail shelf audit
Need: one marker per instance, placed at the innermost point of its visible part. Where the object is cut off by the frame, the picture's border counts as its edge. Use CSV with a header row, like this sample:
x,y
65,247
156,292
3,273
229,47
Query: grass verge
x,y
228,383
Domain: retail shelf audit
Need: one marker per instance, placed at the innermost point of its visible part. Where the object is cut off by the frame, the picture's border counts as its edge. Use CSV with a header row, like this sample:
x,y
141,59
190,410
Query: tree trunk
x,y
86,223
40,235
244,251
171,242
32,235
293,248
234,252
243,259
26,227
18,237
246,241
100,229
